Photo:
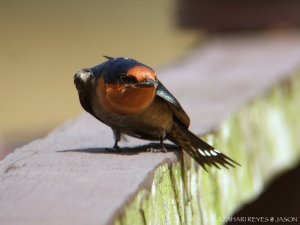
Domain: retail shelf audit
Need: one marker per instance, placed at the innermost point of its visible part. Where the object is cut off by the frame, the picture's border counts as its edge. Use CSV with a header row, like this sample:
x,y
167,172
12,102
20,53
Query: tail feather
x,y
203,153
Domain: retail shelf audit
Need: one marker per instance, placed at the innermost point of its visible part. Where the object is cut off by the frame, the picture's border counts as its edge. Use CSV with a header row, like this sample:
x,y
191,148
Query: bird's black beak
x,y
145,84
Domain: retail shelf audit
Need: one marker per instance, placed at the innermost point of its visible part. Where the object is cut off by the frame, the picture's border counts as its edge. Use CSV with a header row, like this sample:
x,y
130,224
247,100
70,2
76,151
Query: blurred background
x,y
43,43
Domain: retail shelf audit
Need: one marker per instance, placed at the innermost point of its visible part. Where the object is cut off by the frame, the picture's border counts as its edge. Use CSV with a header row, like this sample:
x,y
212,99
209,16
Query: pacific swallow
x,y
126,95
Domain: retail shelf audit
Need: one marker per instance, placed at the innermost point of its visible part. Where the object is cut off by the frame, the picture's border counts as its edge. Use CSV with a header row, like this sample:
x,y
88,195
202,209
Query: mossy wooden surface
x,y
261,136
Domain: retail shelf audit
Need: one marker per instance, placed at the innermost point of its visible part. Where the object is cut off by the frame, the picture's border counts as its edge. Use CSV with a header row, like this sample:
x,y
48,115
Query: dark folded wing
x,y
178,111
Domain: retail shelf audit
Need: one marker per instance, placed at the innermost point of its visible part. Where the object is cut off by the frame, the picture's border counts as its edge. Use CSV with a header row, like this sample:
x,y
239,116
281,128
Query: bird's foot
x,y
157,150
115,148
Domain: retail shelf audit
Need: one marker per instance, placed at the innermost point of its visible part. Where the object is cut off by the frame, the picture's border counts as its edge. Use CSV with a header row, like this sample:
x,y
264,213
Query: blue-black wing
x,y
178,111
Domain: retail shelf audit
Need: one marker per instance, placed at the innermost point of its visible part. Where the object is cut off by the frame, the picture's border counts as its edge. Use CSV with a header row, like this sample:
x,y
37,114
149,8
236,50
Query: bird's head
x,y
125,86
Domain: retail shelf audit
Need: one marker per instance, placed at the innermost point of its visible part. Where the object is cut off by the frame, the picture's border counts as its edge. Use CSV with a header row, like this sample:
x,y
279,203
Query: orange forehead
x,y
142,73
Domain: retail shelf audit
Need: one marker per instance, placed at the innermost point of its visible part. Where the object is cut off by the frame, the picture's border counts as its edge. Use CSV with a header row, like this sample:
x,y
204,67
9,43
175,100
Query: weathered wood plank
x,y
67,178
263,135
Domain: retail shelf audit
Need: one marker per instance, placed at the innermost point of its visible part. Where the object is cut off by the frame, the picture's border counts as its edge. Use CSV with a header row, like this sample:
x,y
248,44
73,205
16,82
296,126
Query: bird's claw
x,y
115,148
157,150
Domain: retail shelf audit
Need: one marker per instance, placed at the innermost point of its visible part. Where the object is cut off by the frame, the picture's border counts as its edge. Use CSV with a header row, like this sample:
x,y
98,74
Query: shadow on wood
x,y
125,150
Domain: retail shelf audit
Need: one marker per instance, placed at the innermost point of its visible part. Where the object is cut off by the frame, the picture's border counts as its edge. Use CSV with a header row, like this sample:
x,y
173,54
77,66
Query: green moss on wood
x,y
262,137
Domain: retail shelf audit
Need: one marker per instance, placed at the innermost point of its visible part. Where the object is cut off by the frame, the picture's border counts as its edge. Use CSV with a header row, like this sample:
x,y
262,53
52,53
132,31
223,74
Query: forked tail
x,y
202,152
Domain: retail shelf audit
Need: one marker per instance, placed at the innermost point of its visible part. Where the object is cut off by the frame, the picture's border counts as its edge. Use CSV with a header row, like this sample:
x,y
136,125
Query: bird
x,y
127,96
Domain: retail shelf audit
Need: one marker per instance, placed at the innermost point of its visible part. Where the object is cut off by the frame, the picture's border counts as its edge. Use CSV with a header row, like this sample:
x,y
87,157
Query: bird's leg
x,y
161,142
117,137
162,146
116,146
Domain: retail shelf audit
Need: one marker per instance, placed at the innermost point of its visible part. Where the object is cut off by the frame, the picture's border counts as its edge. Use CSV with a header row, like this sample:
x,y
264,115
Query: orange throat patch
x,y
124,100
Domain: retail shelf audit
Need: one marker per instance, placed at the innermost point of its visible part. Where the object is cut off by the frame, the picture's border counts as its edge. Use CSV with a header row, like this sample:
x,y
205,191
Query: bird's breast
x,y
124,100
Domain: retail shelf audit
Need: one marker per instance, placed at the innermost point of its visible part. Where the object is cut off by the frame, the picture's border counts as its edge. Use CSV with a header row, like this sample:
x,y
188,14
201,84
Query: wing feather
x,y
178,111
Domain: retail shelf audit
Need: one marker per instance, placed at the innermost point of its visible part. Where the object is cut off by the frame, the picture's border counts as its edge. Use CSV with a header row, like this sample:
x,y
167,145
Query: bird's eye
x,y
129,79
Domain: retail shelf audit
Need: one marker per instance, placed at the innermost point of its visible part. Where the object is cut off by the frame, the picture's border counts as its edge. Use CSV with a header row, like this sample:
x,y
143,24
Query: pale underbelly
x,y
155,120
